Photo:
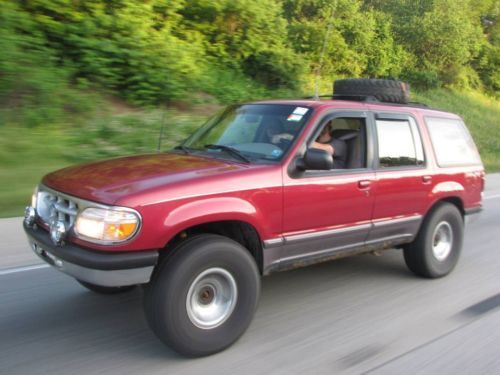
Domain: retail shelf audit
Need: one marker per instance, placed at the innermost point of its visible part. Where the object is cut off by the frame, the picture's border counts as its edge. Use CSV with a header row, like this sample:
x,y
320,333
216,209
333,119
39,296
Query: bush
x,y
33,90
360,43
423,80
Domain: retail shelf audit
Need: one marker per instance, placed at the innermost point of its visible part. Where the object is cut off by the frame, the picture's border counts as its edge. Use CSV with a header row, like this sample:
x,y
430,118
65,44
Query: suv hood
x,y
109,180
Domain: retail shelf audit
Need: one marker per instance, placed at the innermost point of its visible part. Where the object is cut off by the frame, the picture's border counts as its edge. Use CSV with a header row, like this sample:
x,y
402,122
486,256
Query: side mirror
x,y
315,159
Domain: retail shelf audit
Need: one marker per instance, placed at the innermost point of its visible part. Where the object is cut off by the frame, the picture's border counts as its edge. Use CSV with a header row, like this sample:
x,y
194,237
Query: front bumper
x,y
95,267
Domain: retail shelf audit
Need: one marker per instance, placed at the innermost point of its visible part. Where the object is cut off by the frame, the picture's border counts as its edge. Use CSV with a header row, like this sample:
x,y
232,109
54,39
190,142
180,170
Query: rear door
x,y
403,181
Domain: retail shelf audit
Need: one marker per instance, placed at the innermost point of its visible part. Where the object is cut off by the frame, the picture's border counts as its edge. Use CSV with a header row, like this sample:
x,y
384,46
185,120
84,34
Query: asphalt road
x,y
363,314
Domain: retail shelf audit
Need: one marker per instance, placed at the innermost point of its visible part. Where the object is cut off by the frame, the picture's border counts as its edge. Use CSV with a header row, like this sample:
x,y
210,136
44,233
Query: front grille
x,y
53,205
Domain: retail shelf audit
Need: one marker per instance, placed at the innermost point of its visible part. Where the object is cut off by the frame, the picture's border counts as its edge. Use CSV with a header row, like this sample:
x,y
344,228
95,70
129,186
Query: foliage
x,y
33,90
121,45
158,51
361,43
446,40
487,63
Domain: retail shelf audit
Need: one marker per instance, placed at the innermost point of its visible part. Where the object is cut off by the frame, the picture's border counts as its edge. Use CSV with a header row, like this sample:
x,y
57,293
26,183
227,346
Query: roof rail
x,y
357,98
418,104
319,96
367,99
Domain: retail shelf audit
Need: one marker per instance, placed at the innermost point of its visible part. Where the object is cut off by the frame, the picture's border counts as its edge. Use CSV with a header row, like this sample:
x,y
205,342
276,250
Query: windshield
x,y
254,131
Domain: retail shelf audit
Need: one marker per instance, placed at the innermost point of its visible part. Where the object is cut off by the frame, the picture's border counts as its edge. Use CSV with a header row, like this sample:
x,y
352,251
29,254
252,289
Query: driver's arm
x,y
324,146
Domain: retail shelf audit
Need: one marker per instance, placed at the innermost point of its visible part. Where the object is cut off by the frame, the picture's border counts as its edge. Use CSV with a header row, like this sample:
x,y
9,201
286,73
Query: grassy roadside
x,y
26,154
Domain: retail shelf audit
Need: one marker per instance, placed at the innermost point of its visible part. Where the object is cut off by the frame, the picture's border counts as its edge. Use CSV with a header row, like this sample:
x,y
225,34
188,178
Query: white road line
x,y
22,269
492,196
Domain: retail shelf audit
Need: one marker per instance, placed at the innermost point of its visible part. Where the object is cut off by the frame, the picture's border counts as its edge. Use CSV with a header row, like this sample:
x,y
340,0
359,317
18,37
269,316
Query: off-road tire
x,y
420,256
166,302
384,90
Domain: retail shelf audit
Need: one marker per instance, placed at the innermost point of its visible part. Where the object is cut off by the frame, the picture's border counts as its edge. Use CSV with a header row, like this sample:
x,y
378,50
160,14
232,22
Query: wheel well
x,y
457,202
239,231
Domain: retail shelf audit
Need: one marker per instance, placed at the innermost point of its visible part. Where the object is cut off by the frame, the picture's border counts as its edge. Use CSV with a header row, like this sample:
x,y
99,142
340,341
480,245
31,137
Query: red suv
x,y
262,187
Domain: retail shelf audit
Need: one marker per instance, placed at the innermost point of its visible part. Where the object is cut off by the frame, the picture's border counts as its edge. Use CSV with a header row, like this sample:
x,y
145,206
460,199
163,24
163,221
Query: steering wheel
x,y
283,144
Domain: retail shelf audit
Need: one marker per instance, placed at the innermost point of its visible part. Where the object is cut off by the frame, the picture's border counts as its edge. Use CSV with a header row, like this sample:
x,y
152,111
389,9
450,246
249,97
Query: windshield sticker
x,y
276,153
300,111
294,117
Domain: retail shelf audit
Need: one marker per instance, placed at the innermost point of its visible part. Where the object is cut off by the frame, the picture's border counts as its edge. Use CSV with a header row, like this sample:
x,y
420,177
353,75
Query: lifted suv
x,y
261,187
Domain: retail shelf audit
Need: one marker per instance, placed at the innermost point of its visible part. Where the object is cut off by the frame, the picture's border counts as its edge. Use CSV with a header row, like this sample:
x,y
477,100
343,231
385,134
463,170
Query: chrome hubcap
x,y
442,241
211,298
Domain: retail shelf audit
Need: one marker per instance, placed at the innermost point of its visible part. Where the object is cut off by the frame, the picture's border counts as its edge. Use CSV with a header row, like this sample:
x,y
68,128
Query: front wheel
x,y
436,250
204,296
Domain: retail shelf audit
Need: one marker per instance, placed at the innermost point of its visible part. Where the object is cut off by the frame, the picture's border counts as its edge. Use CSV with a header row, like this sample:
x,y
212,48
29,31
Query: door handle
x,y
427,179
364,184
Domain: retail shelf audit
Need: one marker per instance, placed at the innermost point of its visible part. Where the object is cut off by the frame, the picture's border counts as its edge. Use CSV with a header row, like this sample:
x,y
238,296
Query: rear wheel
x,y
436,250
204,296
106,289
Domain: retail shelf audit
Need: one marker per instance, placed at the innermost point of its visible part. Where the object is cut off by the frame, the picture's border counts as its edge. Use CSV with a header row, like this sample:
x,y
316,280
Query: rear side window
x,y
452,142
399,144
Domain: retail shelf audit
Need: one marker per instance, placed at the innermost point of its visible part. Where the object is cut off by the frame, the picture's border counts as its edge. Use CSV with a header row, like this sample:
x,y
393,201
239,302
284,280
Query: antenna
x,y
325,41
162,125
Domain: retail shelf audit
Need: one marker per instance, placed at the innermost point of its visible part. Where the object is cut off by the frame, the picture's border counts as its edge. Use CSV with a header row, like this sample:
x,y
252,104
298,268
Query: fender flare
x,y
446,190
211,210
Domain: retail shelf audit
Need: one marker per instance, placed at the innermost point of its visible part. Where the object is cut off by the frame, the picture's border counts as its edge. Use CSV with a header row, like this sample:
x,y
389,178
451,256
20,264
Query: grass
x,y
25,156
28,153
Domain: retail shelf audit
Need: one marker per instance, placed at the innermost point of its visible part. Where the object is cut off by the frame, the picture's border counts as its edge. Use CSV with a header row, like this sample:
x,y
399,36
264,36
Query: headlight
x,y
108,226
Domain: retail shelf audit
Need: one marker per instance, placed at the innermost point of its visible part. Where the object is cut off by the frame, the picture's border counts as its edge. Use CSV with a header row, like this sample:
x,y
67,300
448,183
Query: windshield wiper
x,y
229,150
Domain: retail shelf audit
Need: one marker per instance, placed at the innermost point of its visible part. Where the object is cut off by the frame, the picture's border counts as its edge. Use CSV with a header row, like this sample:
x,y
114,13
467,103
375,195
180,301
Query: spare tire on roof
x,y
384,90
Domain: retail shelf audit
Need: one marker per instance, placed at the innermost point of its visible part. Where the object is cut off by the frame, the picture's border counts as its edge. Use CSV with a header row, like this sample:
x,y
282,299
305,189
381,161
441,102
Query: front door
x,y
326,212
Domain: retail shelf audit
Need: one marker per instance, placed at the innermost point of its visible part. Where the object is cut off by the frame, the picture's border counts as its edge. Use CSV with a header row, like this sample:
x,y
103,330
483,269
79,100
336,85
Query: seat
x,y
355,157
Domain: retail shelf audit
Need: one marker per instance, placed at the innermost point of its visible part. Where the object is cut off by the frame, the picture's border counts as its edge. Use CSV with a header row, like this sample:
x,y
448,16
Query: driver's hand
x,y
277,138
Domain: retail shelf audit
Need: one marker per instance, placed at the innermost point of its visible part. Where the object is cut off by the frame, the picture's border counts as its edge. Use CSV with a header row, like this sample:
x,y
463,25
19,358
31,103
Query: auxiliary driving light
x,y
29,216
57,232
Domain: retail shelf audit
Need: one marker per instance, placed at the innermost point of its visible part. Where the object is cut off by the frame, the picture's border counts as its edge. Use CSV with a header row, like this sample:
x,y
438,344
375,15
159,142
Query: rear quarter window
x,y
452,142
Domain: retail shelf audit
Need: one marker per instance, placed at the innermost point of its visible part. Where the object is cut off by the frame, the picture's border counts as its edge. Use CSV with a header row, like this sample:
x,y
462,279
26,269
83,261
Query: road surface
x,y
364,314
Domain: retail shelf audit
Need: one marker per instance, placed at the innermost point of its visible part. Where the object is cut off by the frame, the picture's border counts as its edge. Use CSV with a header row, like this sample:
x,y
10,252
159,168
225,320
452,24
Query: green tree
x,y
361,42
125,46
443,39
33,89
247,35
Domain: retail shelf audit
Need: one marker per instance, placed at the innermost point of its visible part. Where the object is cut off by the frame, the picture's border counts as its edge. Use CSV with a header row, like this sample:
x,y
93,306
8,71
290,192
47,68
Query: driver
x,y
335,147
276,134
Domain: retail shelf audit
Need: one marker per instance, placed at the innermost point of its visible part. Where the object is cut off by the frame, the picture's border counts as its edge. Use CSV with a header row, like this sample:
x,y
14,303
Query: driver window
x,y
345,139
